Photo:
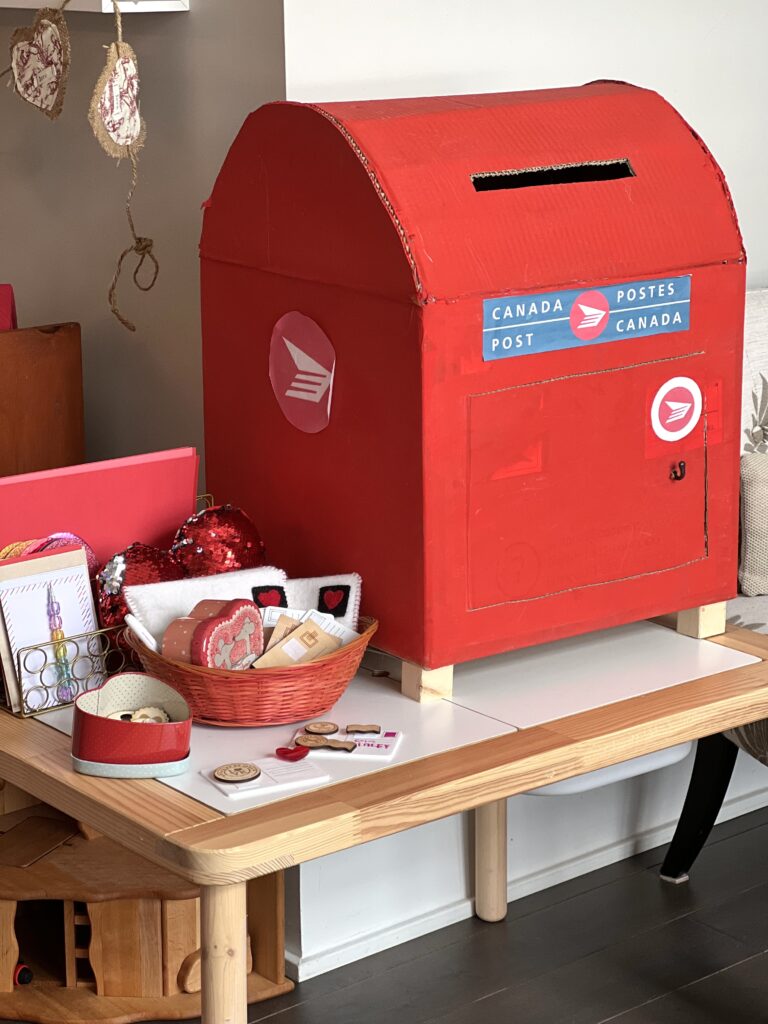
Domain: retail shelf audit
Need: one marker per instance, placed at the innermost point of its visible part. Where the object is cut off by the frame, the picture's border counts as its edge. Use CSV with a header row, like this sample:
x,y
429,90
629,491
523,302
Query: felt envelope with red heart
x,y
335,595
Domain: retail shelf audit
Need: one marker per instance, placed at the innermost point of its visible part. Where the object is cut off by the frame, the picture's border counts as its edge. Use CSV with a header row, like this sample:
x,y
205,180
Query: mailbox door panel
x,y
570,487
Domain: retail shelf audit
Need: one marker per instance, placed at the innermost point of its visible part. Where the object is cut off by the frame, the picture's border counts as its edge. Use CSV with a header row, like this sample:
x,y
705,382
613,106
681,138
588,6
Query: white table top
x,y
427,729
538,684
491,697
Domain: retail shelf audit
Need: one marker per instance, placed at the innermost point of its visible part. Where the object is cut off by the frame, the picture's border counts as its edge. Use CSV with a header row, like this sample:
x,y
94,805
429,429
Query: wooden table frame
x,y
221,853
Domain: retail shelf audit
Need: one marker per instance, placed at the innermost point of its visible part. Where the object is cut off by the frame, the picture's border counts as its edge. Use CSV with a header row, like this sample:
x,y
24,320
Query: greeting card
x,y
46,601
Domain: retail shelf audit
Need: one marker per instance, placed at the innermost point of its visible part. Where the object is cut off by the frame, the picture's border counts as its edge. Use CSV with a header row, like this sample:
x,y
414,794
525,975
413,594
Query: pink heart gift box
x,y
98,738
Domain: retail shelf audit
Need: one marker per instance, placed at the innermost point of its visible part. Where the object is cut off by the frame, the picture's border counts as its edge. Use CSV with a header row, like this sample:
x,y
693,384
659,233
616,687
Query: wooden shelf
x,y
97,924
48,1003
91,871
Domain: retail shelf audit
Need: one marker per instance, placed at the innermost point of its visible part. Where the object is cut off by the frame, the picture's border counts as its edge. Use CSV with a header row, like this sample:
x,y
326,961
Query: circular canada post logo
x,y
676,408
302,363
590,313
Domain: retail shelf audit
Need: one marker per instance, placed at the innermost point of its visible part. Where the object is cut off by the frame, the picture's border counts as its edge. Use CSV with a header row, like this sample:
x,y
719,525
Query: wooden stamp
x,y
368,728
320,742
348,745
312,742
239,771
321,728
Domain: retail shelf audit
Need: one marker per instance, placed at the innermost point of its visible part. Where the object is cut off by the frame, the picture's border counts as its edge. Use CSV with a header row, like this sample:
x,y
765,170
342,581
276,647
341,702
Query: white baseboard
x,y
302,968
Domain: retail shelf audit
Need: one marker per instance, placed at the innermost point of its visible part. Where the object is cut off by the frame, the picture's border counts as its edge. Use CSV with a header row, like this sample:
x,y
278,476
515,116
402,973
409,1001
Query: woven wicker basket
x,y
268,696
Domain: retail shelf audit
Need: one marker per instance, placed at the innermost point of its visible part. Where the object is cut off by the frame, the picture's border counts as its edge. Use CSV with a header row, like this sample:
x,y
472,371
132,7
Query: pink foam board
x,y
109,504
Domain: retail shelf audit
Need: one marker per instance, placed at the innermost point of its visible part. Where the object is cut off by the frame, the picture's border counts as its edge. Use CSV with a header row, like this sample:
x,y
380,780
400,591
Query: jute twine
x,y
143,247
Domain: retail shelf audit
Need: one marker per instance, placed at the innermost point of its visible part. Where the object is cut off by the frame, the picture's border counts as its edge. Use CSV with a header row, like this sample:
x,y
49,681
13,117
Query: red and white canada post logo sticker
x,y
676,408
589,316
302,362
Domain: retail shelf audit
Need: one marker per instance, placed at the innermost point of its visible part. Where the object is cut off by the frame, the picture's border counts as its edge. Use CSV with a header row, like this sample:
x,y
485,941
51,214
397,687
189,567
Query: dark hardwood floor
x,y
616,945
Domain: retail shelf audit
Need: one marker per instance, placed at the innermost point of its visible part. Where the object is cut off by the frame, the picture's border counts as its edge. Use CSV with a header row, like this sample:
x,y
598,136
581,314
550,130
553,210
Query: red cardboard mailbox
x,y
486,351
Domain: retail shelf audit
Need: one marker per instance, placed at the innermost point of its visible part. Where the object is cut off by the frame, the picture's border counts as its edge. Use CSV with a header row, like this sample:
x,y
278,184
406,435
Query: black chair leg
x,y
712,770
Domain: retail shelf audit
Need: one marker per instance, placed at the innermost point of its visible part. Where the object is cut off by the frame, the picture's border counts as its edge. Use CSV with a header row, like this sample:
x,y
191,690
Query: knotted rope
x,y
143,247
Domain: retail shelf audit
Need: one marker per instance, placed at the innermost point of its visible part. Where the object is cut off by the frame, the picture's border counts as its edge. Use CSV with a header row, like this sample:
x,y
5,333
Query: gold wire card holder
x,y
55,673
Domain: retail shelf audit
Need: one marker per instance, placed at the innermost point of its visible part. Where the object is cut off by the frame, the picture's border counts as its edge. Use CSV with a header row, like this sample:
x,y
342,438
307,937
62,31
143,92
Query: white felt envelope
x,y
156,605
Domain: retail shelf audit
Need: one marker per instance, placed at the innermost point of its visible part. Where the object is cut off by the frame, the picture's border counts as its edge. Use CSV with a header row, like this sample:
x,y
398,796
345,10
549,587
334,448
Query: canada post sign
x,y
522,325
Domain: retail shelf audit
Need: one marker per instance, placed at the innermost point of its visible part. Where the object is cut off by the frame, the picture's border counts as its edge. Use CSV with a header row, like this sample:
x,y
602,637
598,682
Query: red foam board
x,y
109,504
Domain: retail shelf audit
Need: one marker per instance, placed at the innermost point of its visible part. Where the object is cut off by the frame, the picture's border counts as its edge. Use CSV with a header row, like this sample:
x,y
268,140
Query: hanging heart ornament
x,y
40,59
114,112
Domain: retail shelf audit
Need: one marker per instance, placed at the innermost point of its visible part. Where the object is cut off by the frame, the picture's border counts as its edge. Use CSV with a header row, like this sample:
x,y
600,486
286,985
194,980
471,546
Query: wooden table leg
x,y
491,861
223,939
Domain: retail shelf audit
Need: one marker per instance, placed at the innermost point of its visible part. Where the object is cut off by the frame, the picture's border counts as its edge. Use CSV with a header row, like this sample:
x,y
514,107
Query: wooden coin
x,y
238,771
321,728
311,741
369,728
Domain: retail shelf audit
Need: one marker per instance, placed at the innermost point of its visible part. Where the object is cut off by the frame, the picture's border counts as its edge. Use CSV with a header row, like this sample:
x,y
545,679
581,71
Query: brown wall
x,y
62,222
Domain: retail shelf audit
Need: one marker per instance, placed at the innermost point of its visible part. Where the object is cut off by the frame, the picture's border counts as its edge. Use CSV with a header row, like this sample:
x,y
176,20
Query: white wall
x,y
708,59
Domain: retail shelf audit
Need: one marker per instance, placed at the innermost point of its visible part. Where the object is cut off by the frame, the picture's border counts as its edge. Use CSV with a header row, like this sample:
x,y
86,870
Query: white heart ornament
x,y
40,59
114,112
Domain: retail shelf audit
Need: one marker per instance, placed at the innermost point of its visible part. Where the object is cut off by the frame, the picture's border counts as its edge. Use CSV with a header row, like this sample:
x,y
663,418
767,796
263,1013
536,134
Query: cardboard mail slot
x,y
486,351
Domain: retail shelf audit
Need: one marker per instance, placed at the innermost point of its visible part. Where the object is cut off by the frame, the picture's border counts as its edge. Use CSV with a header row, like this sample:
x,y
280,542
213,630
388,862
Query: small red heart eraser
x,y
291,753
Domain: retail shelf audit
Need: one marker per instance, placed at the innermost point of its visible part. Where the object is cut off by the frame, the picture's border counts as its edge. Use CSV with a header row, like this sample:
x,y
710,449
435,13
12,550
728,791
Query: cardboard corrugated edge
x,y
381,192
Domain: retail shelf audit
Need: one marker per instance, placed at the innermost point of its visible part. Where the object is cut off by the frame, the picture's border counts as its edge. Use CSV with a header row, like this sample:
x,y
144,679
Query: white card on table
x,y
276,776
